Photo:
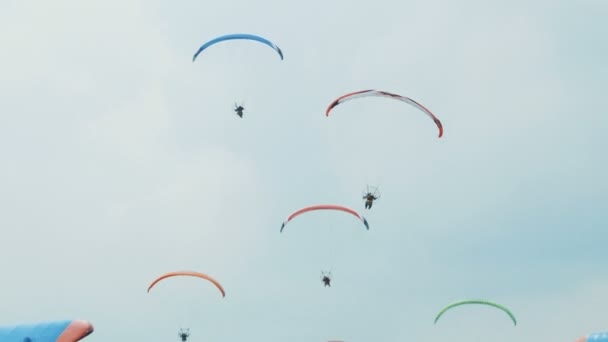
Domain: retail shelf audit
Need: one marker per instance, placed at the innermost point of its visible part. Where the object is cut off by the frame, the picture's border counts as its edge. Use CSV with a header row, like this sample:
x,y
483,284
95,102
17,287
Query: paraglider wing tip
x,y
440,127
331,106
280,52
196,54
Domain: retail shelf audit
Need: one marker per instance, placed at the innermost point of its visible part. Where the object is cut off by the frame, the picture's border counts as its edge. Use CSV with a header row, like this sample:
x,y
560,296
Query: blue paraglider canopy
x,y
52,331
238,36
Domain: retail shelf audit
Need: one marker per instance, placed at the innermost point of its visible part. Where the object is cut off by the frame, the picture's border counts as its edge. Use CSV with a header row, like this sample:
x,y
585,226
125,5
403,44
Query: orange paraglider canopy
x,y
188,274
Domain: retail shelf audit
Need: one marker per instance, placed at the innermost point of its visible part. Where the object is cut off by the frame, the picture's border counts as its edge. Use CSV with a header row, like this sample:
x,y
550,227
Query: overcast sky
x,y
122,160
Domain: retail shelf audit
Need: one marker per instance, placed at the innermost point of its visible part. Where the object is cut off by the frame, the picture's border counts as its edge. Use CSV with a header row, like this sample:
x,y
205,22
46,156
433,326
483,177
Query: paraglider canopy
x,y
380,93
185,333
51,331
324,207
475,301
595,337
238,36
188,274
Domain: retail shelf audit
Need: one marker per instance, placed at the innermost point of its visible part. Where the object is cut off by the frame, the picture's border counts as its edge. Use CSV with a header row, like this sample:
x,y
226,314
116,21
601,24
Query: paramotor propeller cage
x,y
373,190
184,334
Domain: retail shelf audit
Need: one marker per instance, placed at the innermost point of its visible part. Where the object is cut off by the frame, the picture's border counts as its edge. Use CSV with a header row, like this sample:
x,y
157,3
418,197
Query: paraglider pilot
x,y
369,200
183,334
326,278
239,110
